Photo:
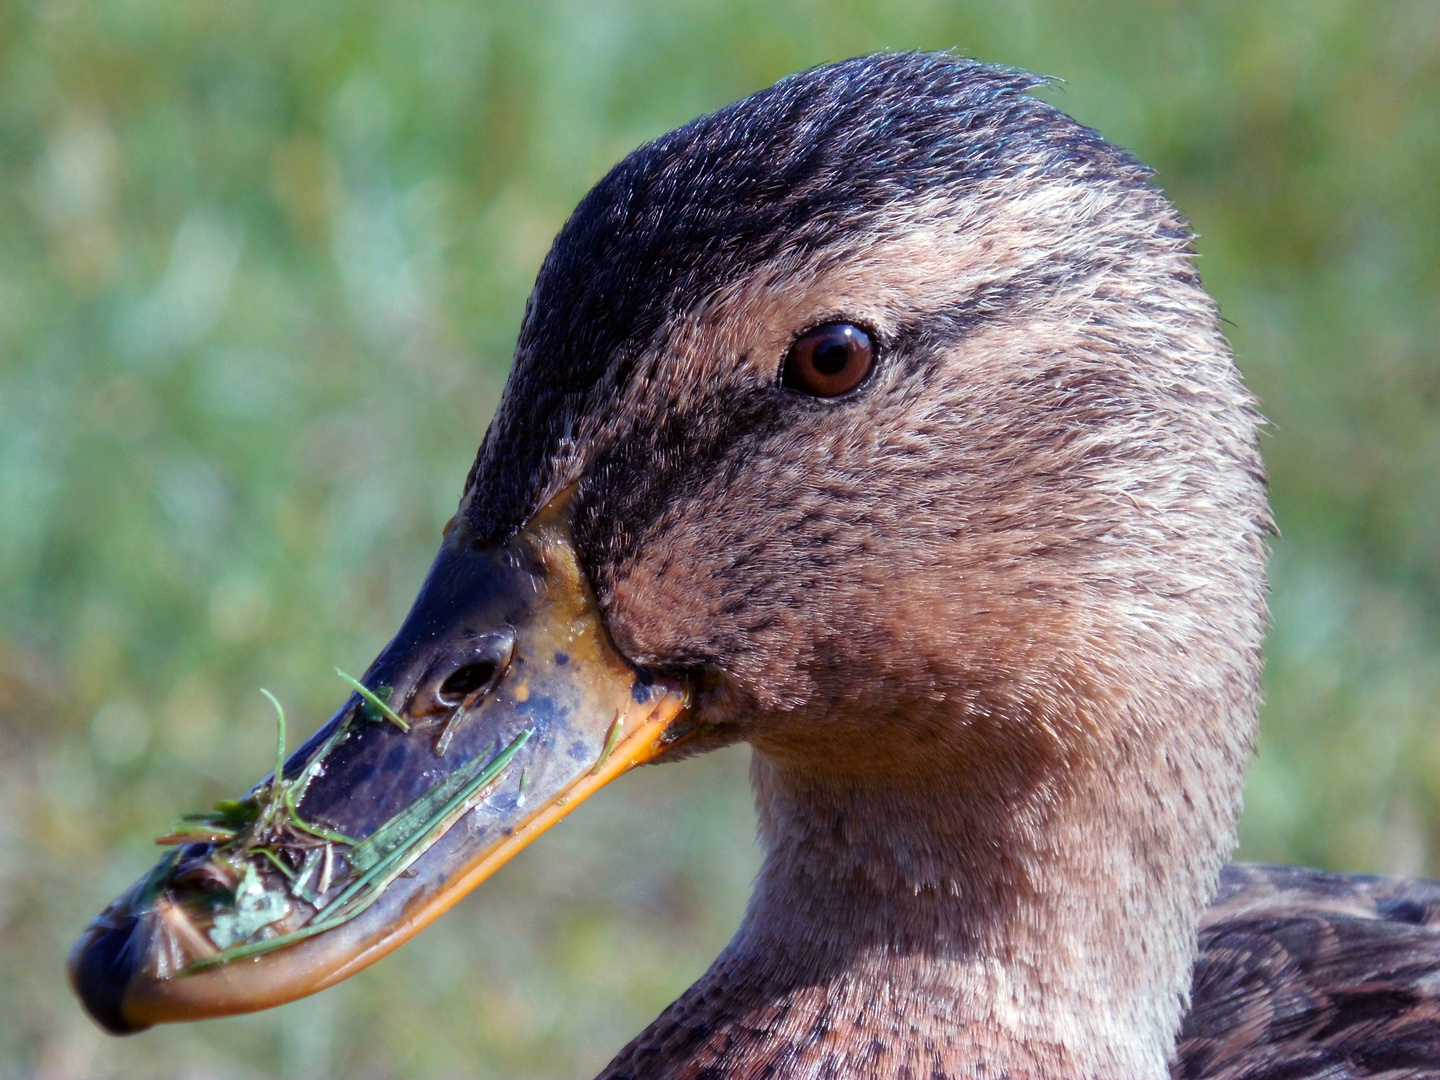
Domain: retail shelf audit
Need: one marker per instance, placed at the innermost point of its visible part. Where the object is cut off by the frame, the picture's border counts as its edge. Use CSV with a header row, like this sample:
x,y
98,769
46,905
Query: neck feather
x,y
976,918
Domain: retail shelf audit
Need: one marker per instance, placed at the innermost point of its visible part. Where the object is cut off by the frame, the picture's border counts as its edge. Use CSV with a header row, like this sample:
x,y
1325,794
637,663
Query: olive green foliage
x,y
261,268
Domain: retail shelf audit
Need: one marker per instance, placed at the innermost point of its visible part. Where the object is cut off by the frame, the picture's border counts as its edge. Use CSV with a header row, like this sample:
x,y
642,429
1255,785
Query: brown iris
x,y
830,360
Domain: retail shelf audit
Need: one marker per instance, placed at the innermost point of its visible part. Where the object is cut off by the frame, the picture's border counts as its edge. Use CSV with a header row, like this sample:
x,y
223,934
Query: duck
x,y
880,421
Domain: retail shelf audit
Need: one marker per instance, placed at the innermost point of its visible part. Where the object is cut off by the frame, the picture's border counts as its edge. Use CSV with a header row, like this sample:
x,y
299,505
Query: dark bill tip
x,y
101,965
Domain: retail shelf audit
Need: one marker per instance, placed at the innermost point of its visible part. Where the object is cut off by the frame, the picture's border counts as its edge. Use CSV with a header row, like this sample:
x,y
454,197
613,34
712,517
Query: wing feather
x,y
1305,975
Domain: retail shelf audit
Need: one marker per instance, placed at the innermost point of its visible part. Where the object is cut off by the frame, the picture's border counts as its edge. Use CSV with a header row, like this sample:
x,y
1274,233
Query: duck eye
x,y
828,361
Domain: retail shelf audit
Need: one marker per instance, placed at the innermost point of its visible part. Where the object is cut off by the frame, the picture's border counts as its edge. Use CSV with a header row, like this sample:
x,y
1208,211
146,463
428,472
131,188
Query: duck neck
x,y
971,918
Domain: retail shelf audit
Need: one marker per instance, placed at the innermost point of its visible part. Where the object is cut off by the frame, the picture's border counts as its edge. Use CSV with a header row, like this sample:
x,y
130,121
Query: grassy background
x,y
262,266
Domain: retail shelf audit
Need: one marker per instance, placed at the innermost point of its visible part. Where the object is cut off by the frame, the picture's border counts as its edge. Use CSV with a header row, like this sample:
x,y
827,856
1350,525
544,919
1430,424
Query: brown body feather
x,y
1302,975
1305,975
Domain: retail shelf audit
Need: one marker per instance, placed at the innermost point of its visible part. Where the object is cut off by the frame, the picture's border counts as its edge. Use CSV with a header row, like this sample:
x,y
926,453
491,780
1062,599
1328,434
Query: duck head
x,y
880,421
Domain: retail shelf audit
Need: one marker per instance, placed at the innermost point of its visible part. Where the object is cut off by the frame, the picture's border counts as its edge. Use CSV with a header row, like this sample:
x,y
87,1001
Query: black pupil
x,y
467,680
832,353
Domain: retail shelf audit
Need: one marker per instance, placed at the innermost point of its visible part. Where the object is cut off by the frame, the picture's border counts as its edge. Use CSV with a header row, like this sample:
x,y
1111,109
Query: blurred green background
x,y
261,269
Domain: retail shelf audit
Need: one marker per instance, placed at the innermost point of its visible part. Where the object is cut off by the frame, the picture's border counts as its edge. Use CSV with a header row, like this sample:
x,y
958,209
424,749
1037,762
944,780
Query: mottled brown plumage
x,y
1304,975
991,622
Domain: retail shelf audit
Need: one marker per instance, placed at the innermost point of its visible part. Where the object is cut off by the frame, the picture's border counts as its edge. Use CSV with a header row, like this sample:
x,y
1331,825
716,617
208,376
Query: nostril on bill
x,y
474,672
464,681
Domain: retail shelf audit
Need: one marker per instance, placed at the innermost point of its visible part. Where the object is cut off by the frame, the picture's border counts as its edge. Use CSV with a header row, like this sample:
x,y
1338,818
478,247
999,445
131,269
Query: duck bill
x,y
497,709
